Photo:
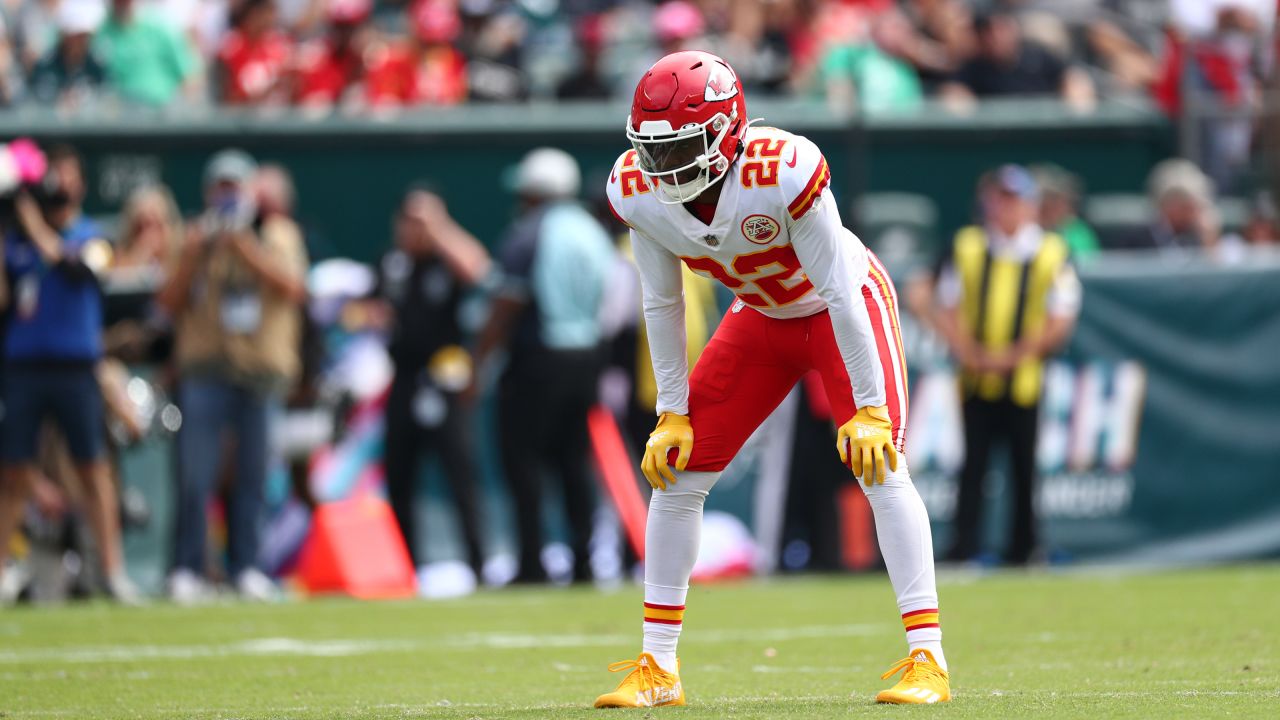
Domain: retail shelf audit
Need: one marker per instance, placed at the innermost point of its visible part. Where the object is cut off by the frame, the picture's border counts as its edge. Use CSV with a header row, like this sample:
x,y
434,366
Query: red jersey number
x,y
761,166
630,177
773,274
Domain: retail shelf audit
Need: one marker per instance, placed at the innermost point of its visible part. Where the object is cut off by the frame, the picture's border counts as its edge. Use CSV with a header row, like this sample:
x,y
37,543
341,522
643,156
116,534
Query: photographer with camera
x,y
52,346
235,293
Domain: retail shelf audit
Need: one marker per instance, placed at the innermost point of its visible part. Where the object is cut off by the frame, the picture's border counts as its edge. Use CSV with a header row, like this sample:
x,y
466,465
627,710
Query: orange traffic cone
x,y
355,548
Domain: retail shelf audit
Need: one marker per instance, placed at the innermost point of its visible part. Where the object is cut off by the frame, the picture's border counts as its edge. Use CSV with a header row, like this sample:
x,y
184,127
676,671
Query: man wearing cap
x,y
1010,300
555,261
70,73
234,292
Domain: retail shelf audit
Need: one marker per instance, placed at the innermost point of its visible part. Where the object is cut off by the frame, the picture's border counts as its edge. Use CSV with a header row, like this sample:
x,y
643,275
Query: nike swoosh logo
x,y
792,162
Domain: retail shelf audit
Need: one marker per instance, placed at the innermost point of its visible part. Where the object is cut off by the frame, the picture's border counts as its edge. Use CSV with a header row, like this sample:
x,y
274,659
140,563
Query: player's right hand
x,y
673,431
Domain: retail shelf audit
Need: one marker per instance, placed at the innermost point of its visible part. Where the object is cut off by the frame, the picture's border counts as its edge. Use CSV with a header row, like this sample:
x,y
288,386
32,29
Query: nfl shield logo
x,y
711,240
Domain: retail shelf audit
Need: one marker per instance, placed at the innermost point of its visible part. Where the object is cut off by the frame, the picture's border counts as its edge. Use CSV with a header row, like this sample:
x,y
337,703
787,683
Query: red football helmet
x,y
687,122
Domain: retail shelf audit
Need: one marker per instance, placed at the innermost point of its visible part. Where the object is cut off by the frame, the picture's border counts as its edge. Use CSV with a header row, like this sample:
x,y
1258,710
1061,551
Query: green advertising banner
x,y
1160,427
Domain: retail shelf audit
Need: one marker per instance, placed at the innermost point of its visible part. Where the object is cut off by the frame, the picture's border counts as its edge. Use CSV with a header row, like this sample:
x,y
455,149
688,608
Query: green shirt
x,y
146,60
1080,238
883,82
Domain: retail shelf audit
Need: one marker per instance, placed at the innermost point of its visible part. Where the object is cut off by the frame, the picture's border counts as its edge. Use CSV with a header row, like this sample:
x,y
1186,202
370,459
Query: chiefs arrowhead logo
x,y
721,84
760,229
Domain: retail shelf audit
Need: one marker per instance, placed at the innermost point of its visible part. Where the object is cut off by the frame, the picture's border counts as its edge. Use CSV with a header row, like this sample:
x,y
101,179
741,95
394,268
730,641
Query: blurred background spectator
x,y
424,68
1010,299
148,61
421,283
555,261
255,57
234,293
52,347
1007,64
69,73
150,229
1060,195
1184,217
330,65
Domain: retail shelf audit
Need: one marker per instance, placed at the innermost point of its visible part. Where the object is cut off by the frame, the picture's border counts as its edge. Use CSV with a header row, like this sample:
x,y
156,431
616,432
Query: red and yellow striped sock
x,y
920,619
664,614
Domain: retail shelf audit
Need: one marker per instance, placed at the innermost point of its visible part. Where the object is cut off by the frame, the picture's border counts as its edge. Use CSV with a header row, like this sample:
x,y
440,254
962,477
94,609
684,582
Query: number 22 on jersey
x,y
760,166
760,279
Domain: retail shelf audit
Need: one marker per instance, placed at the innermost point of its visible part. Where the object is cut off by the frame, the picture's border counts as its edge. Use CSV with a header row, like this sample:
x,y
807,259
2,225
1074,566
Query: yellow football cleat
x,y
924,682
647,685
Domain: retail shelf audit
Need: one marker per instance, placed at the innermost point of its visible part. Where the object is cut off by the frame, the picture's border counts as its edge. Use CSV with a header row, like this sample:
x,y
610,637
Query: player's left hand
x,y
673,431
865,443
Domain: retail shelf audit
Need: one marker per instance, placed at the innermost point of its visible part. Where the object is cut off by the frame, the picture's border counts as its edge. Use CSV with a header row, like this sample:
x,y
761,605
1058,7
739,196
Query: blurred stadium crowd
x,y
366,55
232,315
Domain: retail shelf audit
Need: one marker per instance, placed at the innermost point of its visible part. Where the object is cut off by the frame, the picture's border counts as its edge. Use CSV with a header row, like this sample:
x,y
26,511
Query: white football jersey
x,y
776,241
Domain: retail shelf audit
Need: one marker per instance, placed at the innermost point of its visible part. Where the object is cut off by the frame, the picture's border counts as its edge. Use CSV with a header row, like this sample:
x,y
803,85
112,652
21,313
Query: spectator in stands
x,y
754,41
52,346
255,57
1218,49
1059,213
1185,219
678,25
147,61
942,38
1006,65
421,282
33,29
70,75
329,66
869,73
1010,299
234,291
586,82
555,261
1260,231
1263,227
425,69
493,43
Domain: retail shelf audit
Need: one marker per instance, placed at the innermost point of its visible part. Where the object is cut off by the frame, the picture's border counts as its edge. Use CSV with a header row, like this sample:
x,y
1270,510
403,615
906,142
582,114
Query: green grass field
x,y
1190,644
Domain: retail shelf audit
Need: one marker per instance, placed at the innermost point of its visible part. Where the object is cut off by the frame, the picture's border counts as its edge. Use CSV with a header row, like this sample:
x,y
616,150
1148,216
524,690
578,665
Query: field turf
x,y
1081,645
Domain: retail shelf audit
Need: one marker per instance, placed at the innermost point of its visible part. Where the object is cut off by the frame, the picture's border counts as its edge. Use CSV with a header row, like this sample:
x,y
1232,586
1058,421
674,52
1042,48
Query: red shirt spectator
x,y
255,56
327,67
427,69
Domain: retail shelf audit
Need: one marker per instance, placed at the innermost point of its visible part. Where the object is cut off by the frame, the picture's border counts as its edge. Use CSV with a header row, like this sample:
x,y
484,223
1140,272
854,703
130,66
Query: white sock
x,y
672,536
906,544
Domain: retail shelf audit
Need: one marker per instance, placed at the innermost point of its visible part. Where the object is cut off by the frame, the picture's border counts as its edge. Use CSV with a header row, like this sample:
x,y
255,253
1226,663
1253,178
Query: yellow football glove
x,y
673,431
865,442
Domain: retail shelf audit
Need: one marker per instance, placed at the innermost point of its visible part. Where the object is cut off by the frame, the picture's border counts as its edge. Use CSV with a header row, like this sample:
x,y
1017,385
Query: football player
x,y
750,207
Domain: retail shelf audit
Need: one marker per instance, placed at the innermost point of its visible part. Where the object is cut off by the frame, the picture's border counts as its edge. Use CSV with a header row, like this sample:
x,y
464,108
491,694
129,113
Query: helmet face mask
x,y
684,163
686,124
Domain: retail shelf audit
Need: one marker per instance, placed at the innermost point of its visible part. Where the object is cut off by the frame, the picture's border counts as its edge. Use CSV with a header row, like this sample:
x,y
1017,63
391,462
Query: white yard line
x,y
345,648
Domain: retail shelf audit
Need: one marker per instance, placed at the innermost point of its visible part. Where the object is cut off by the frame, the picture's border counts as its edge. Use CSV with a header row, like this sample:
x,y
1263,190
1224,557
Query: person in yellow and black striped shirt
x,y
1011,298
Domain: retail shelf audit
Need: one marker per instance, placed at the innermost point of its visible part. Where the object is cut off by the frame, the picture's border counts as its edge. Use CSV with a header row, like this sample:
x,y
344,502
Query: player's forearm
x,y
664,326
856,341
837,263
